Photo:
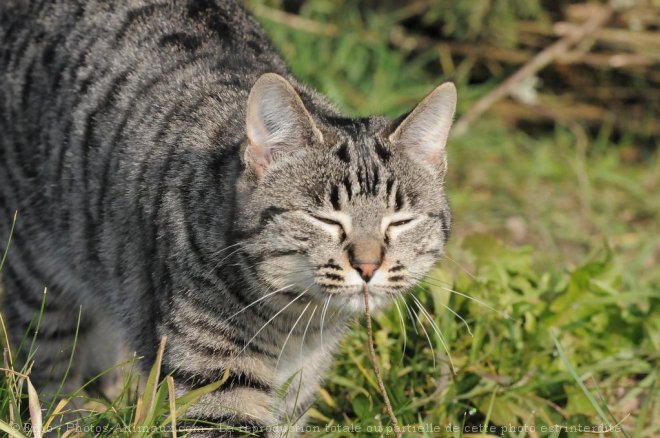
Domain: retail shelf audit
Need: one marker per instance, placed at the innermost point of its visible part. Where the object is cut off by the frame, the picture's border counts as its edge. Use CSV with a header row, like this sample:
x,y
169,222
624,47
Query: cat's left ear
x,y
423,133
277,123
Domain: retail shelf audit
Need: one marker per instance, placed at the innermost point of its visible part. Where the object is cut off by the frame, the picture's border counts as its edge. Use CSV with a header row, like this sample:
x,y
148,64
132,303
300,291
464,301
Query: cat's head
x,y
329,204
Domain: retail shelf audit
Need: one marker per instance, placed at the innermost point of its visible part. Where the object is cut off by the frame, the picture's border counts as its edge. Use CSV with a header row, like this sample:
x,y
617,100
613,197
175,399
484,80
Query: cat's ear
x,y
277,123
423,133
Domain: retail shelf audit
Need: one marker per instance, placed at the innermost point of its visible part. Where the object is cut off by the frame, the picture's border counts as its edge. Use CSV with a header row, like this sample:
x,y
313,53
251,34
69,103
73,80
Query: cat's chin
x,y
351,300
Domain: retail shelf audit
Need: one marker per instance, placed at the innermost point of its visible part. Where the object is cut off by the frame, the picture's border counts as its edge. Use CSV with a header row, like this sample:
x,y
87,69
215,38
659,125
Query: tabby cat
x,y
172,178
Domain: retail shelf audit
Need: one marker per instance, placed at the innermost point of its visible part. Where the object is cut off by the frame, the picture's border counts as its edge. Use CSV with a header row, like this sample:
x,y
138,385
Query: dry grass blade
x,y
58,408
15,381
172,397
6,353
374,364
11,383
35,410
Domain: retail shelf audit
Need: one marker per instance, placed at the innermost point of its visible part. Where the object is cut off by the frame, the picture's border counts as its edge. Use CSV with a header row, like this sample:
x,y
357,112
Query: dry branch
x,y
567,111
545,57
294,21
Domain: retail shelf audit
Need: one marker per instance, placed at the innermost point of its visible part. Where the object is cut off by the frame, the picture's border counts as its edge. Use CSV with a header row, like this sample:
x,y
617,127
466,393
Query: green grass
x,y
552,268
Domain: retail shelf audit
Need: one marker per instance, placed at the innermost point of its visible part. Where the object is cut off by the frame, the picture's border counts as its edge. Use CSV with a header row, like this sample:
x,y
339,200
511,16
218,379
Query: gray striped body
x,y
123,145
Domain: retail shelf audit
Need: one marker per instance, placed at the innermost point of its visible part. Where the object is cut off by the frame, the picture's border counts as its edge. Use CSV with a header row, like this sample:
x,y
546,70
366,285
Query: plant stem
x,y
374,364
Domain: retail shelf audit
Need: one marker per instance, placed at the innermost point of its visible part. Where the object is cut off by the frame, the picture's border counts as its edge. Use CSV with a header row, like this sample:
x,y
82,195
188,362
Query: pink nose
x,y
366,270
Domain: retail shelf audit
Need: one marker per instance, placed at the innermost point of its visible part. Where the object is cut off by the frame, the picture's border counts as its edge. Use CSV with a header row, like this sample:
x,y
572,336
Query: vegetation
x,y
546,306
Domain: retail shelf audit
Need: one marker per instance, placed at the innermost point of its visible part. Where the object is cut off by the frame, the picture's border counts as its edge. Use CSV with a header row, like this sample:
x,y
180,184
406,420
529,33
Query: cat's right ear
x,y
424,132
277,123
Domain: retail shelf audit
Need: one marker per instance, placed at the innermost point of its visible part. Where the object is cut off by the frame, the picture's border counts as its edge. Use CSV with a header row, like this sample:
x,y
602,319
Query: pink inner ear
x,y
277,122
424,132
257,157
256,130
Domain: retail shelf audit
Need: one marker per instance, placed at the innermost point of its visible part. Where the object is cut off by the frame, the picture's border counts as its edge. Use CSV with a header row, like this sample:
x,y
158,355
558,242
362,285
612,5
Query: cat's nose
x,y
366,270
365,254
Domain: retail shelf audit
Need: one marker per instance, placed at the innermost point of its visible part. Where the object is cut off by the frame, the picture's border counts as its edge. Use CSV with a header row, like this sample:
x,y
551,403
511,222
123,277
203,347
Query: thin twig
x,y
542,59
9,370
374,364
294,21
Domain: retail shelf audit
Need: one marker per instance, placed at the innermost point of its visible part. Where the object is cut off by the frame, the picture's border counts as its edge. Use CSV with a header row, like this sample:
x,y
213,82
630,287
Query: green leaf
x,y
150,390
10,430
184,402
362,406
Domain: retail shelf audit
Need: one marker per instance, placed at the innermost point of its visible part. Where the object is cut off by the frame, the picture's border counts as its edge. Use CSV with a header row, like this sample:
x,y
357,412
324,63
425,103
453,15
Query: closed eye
x,y
337,223
399,223
328,221
392,226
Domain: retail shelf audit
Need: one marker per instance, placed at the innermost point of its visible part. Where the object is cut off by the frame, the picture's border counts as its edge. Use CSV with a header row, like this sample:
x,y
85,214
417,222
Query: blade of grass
x,y
58,408
73,349
11,387
151,388
11,233
7,347
490,408
154,410
188,399
10,430
587,393
172,397
15,391
138,411
644,411
36,330
555,434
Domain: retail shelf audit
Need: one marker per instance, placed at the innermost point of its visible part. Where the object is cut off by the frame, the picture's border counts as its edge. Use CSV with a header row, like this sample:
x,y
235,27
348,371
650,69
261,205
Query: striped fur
x,y
144,207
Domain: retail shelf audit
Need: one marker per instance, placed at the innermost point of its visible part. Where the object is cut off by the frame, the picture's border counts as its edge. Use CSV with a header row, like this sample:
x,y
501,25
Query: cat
x,y
173,178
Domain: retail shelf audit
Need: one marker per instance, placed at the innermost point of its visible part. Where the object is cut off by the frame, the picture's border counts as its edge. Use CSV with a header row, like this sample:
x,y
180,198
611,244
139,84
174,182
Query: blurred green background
x,y
555,197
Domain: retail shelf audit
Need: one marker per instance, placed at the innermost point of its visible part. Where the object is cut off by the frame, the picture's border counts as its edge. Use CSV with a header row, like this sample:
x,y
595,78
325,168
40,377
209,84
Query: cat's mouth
x,y
350,297
351,300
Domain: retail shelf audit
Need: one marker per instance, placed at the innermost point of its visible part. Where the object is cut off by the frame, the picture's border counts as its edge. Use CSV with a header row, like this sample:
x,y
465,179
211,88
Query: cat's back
x,y
73,72
86,85
69,44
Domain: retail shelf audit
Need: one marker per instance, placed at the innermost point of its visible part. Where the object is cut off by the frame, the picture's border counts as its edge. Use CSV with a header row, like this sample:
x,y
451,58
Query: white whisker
x,y
427,279
410,315
259,299
437,332
459,265
323,312
403,327
241,246
289,335
427,337
467,326
271,319
302,341
220,251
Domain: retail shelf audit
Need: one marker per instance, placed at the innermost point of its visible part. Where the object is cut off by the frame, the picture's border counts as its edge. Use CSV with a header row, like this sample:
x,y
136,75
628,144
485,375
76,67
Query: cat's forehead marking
x,y
366,175
361,150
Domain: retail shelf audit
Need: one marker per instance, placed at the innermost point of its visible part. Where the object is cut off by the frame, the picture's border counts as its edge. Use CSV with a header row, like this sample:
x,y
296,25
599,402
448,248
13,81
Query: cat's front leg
x,y
198,354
